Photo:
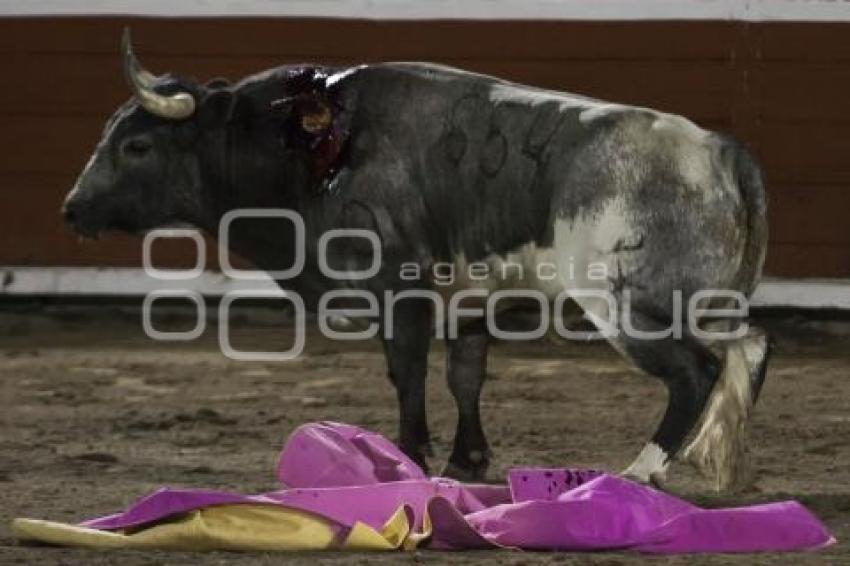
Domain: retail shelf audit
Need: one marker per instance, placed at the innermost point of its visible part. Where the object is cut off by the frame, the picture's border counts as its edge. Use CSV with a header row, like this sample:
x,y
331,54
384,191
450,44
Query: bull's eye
x,y
136,147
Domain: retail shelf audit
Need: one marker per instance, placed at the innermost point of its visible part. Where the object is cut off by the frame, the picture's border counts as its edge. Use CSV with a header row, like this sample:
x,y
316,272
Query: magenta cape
x,y
346,474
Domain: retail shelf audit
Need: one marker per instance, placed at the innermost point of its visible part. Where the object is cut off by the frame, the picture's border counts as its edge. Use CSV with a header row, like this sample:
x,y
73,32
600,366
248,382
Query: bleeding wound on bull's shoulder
x,y
318,120
312,124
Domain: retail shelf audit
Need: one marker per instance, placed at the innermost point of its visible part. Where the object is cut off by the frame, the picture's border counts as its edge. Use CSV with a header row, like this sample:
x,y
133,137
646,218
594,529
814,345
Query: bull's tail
x,y
718,449
748,176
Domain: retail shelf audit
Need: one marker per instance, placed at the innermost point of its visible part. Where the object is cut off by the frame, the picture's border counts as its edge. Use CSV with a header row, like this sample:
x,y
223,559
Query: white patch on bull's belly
x,y
583,246
529,267
580,258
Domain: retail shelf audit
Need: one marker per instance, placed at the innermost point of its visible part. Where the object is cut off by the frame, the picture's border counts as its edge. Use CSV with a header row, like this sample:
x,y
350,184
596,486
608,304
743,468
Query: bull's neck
x,y
245,169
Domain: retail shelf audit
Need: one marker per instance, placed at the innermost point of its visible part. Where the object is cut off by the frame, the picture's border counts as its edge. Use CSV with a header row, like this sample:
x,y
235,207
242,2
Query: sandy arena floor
x,y
95,415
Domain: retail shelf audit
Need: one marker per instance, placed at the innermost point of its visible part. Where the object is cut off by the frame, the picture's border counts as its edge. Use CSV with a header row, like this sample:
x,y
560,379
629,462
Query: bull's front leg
x,y
406,339
466,367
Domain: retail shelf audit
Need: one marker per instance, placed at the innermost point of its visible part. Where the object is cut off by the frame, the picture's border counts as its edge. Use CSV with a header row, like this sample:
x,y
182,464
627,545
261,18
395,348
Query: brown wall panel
x,y
801,41
780,87
802,91
797,260
378,40
48,144
809,215
813,152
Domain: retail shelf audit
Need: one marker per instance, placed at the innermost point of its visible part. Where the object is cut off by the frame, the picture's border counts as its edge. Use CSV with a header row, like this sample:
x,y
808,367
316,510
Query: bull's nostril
x,y
70,214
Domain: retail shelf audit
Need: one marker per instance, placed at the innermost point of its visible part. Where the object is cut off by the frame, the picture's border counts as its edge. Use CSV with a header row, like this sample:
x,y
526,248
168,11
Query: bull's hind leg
x,y
718,448
689,370
466,366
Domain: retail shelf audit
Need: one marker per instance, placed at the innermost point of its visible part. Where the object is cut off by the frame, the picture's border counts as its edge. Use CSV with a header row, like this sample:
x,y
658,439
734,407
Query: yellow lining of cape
x,y
244,526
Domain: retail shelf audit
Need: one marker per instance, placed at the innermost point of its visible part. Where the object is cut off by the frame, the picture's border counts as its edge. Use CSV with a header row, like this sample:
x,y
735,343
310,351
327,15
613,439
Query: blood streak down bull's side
x,y
450,166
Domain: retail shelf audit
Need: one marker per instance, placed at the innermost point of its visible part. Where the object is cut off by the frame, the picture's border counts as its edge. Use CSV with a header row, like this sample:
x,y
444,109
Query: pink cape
x,y
346,474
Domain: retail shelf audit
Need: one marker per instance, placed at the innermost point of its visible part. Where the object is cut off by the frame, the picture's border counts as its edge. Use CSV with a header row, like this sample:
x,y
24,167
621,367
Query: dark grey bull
x,y
450,166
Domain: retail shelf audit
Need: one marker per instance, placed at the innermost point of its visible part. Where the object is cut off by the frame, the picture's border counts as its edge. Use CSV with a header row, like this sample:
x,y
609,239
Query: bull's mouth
x,y
90,222
92,231
87,232
87,229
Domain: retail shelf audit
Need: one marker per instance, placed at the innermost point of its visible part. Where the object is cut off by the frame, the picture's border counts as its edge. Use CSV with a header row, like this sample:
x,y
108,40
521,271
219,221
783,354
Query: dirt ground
x,y
96,415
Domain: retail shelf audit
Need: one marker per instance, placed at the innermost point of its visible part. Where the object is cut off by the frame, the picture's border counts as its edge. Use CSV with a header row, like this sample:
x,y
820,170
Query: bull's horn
x,y
173,107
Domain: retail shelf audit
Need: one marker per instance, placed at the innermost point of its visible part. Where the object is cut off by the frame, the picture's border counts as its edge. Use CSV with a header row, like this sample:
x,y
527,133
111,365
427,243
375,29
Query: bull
x,y
449,166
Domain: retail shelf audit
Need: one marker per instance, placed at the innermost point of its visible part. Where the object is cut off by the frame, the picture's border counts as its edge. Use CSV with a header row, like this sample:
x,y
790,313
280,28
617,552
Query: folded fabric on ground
x,y
347,488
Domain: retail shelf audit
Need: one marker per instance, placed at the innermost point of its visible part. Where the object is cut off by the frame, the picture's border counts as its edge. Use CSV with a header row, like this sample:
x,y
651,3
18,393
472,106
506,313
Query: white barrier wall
x,y
745,10
129,282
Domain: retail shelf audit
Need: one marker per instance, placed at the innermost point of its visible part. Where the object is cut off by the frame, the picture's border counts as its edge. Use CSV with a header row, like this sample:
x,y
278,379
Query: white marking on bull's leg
x,y
650,466
585,242
718,449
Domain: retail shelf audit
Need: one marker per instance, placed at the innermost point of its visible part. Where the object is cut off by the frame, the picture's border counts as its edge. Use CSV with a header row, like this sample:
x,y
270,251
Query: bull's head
x,y
145,171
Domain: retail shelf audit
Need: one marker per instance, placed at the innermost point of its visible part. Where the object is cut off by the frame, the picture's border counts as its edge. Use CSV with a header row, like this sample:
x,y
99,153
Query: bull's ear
x,y
216,108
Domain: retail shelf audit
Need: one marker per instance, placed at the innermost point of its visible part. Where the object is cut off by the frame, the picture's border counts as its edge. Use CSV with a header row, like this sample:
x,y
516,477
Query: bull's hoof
x,y
472,469
657,480
420,456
